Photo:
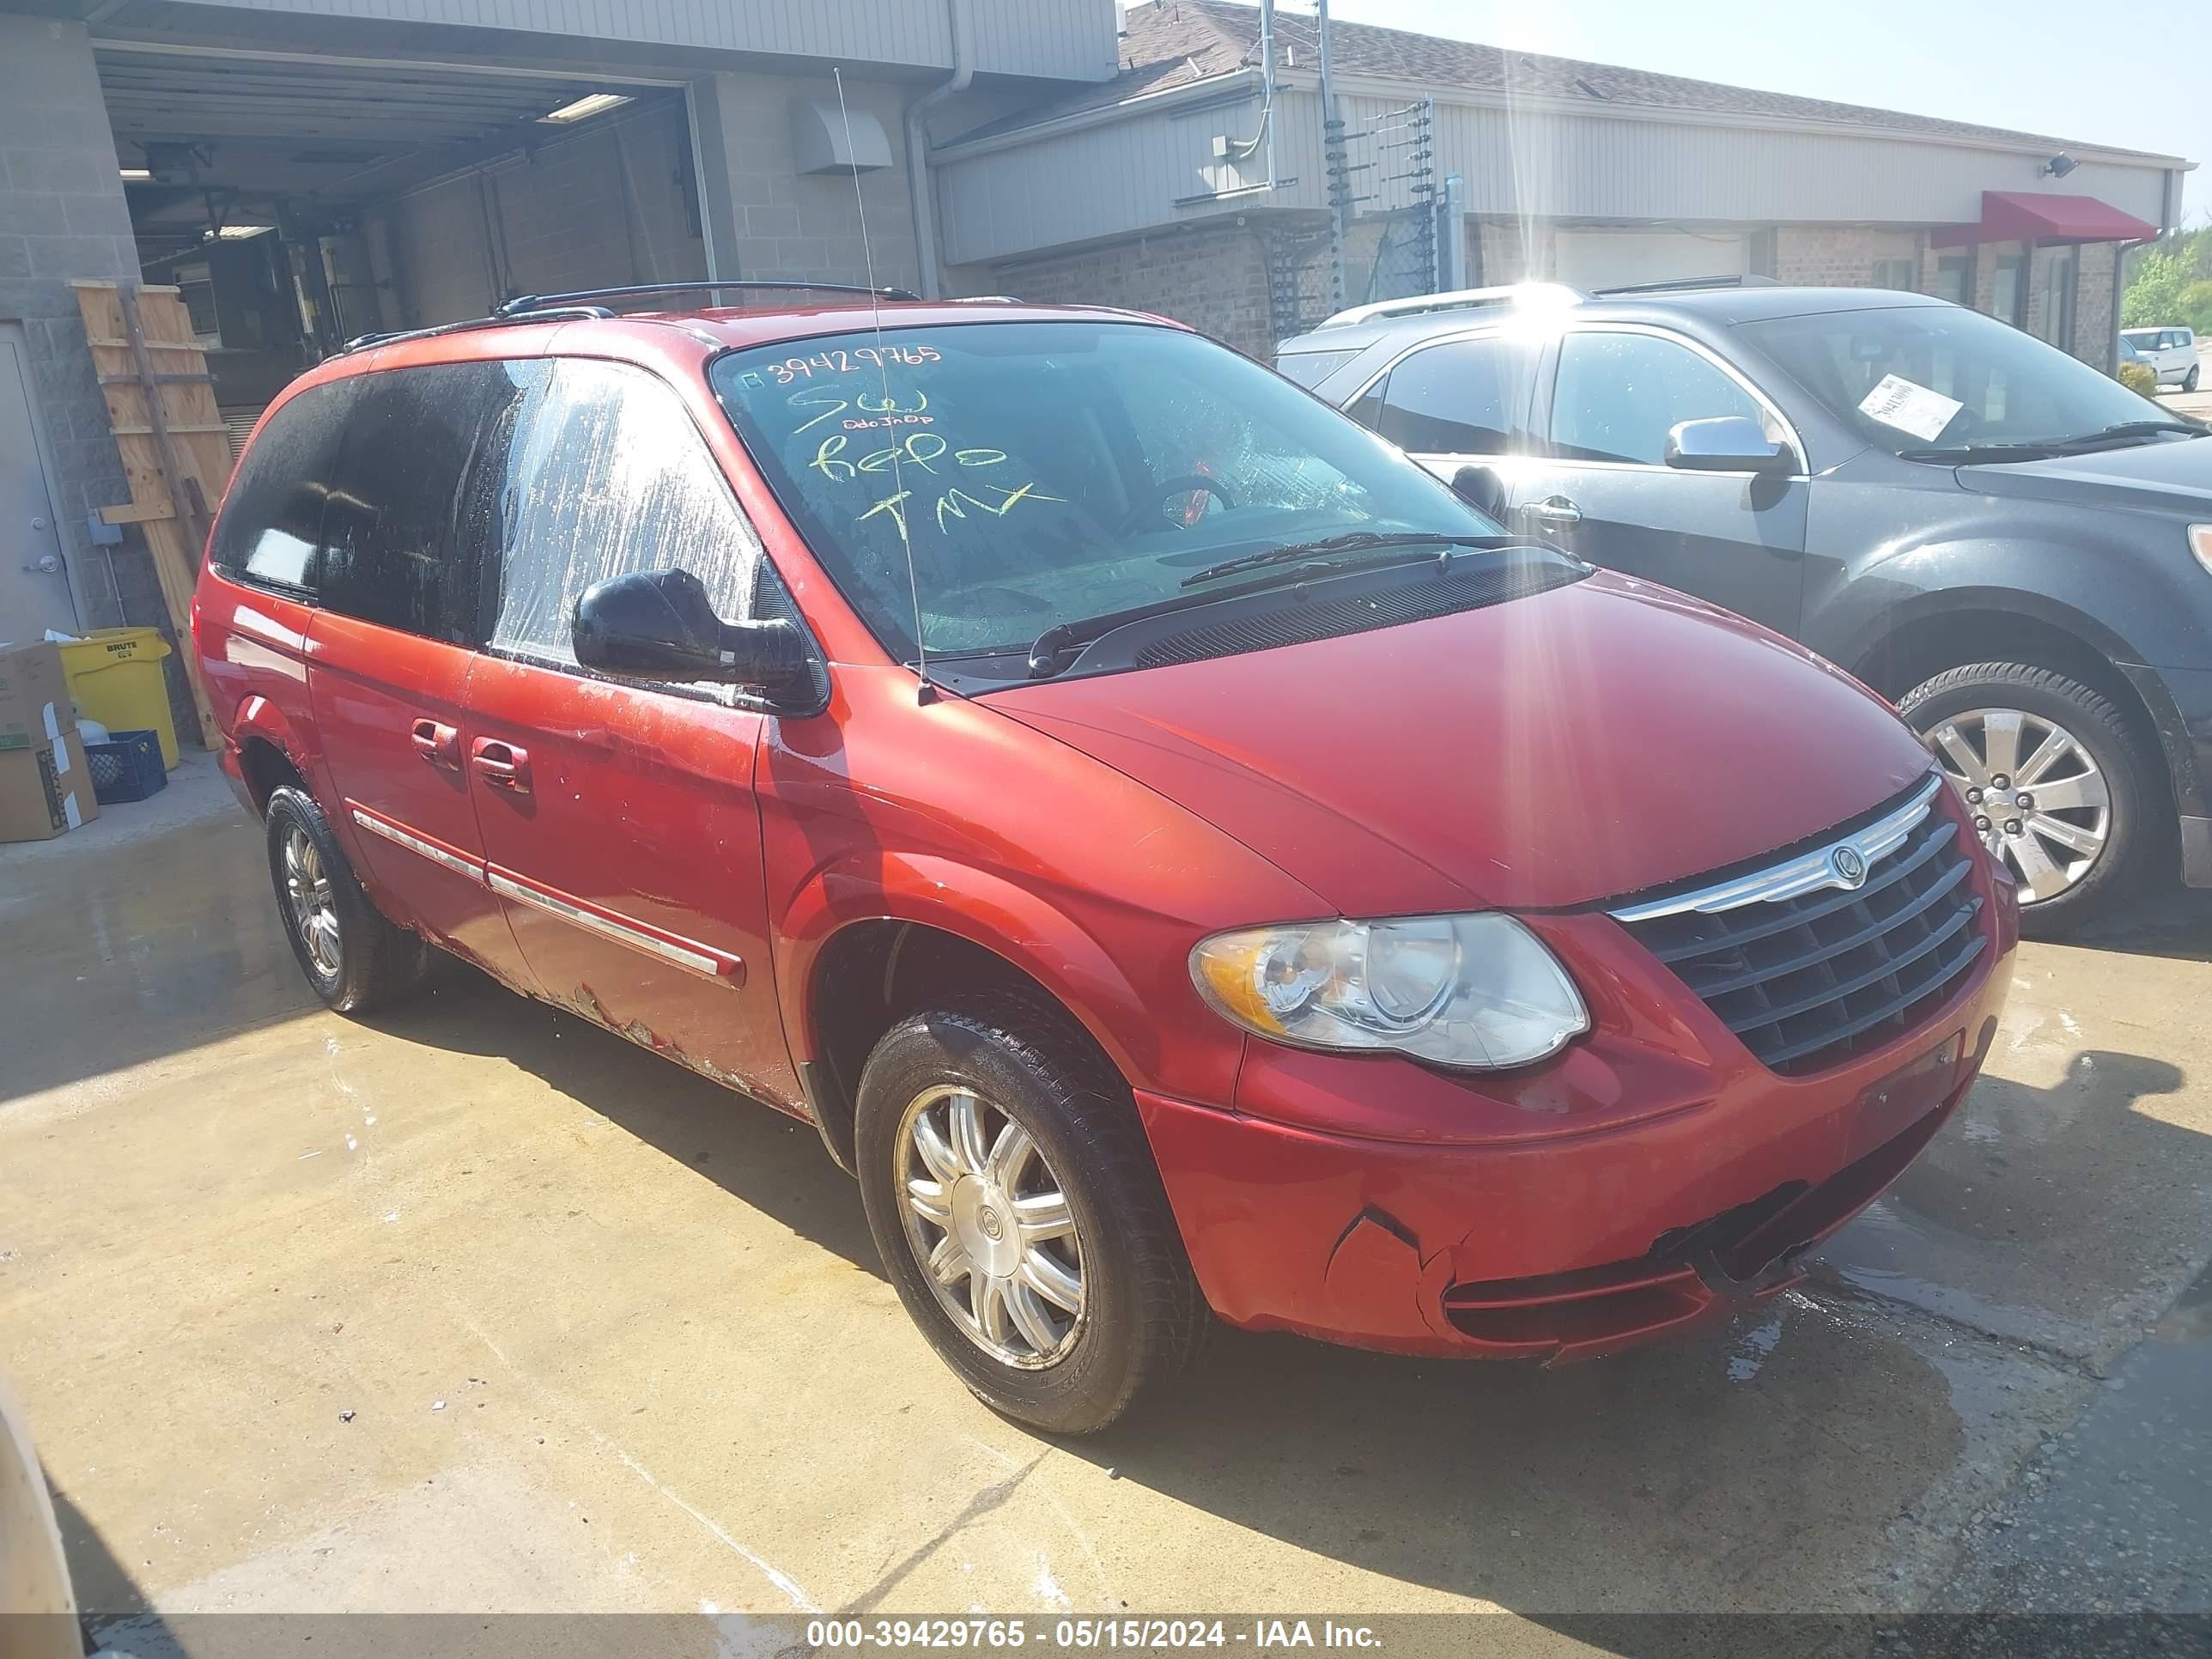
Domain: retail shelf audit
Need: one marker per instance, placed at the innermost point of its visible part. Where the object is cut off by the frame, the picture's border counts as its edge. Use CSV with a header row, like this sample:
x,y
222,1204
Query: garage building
x,y
306,170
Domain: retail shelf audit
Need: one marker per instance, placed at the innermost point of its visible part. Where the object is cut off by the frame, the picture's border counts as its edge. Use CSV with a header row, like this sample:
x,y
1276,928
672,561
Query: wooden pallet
x,y
176,452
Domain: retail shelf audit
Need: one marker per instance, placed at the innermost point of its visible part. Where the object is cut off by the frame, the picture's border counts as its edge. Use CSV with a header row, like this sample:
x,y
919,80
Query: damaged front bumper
x,y
1559,1245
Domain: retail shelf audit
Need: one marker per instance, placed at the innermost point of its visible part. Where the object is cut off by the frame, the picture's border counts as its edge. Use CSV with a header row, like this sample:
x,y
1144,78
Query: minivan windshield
x,y
1004,479
1915,378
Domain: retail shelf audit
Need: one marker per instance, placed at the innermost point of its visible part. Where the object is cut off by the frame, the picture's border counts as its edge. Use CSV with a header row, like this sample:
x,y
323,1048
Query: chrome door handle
x,y
1556,509
49,566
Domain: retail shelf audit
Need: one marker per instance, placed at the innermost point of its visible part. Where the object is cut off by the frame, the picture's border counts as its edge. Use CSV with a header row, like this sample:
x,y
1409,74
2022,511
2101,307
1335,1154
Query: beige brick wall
x,y
2096,317
1842,256
1214,277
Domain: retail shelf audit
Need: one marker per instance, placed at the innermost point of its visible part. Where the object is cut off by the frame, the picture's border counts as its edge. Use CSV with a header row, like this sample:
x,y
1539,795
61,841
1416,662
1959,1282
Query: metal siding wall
x,y
1547,166
1096,181
1066,39
1124,176
1069,40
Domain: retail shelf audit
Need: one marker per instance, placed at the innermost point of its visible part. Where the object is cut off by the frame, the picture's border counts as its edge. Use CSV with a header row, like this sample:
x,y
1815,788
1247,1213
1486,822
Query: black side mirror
x,y
1481,489
1728,443
660,625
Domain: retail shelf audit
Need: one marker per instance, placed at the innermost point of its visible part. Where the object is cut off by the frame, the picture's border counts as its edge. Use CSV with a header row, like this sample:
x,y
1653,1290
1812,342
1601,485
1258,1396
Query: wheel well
x,y
1925,646
267,768
871,976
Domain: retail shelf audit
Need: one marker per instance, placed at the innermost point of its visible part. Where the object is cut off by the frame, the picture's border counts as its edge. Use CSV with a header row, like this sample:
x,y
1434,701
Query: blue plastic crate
x,y
127,767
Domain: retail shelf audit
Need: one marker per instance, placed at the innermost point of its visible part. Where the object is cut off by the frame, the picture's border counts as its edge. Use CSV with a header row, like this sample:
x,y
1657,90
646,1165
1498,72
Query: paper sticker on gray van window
x,y
1910,407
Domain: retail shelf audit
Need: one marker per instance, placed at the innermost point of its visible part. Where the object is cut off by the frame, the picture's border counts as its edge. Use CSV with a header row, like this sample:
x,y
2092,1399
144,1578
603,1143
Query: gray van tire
x,y
2131,772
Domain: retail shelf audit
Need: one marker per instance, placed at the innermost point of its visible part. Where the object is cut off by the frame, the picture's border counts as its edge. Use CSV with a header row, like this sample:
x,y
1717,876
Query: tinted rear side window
x,y
605,475
394,551
272,514
1463,398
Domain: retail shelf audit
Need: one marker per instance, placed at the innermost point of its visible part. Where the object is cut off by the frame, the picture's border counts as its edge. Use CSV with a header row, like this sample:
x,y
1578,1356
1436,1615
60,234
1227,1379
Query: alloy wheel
x,y
307,890
991,1226
2039,801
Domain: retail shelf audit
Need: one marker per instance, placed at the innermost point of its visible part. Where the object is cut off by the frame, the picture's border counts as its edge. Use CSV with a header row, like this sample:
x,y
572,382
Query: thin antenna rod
x,y
923,688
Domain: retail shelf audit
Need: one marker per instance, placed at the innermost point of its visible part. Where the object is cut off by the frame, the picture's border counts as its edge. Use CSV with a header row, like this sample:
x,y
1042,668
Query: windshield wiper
x,y
2122,432
1352,542
2036,449
1967,455
1060,644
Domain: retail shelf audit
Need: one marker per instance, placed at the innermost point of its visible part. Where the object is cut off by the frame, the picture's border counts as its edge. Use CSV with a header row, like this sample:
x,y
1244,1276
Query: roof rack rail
x,y
540,301
500,319
1514,294
1685,284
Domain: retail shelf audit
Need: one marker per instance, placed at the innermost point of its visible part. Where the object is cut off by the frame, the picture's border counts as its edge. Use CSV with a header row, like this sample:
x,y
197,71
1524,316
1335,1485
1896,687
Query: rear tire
x,y
353,957
2008,729
985,1261
2189,382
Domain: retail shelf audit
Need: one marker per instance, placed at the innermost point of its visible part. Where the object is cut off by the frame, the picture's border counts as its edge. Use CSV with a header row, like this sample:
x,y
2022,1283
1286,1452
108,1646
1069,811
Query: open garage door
x,y
1611,258
299,200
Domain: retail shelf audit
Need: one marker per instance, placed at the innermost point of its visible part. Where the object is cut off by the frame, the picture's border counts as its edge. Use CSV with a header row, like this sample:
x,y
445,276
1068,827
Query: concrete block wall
x,y
1214,277
63,217
778,223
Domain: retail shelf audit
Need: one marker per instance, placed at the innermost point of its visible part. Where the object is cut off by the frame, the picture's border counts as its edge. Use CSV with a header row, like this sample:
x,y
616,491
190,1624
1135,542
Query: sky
x,y
2133,74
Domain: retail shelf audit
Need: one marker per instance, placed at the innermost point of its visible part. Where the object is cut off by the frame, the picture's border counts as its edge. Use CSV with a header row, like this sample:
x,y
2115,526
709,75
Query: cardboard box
x,y
45,790
34,698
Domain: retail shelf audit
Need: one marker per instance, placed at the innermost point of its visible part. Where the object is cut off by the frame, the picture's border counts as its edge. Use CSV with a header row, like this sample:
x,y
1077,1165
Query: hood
x,y
1590,741
2169,474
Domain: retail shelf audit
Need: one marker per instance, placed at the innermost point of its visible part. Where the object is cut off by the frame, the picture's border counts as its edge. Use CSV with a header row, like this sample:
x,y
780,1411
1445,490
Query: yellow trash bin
x,y
115,674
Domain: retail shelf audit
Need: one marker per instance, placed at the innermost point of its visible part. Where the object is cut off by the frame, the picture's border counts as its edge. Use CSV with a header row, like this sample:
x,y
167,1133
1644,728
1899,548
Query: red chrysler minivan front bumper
x,y
1654,1176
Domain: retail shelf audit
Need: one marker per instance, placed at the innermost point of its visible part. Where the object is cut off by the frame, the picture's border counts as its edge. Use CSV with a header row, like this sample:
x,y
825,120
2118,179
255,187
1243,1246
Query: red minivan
x,y
1184,861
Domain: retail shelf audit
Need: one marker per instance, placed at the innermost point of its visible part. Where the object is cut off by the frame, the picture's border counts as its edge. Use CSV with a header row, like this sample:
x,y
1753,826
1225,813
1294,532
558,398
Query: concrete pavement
x,y
474,1307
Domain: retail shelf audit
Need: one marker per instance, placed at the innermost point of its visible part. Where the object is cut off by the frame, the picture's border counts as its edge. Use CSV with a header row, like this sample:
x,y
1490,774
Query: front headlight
x,y
1479,991
2200,543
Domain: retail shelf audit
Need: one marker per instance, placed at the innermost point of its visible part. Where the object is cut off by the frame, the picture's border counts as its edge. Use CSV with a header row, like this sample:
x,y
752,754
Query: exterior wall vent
x,y
821,143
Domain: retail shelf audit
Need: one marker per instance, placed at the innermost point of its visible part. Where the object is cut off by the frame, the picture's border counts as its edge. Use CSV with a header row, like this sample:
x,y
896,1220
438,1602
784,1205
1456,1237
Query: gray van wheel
x,y
2058,782
354,959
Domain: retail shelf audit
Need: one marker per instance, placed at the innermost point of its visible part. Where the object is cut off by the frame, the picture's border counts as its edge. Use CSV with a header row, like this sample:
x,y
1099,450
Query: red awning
x,y
2012,216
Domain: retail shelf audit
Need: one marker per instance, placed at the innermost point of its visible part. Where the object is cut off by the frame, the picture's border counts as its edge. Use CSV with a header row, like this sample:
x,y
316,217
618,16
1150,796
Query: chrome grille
x,y
1809,971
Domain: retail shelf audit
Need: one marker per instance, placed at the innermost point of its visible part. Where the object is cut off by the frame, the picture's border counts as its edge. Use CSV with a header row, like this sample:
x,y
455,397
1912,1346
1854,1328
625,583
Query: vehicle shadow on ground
x,y
107,1592
2164,919
1757,1465
768,1160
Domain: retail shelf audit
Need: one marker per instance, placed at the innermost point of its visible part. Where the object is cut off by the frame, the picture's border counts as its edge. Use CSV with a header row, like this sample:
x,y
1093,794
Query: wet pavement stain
x,y
603,1264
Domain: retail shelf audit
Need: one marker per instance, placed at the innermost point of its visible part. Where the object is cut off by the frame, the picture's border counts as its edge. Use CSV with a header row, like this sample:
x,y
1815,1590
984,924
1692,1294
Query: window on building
x,y
1463,398
272,517
1618,395
606,475
2059,281
2007,302
394,552
1900,274
1954,278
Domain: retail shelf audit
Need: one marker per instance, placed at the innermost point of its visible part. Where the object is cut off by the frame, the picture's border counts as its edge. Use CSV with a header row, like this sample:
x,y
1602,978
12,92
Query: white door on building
x,y
34,592
1614,259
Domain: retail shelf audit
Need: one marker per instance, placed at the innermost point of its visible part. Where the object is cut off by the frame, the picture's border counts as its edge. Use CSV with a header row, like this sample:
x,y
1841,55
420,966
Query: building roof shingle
x,y
1181,42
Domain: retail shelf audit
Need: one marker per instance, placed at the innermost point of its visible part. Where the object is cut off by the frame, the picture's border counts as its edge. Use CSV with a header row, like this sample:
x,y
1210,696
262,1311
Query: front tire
x,y
2058,782
1014,1200
353,957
